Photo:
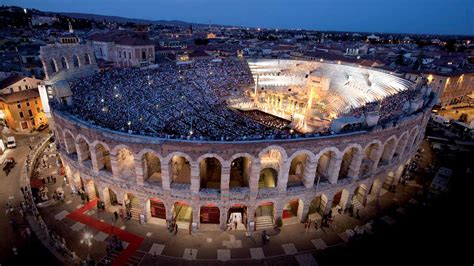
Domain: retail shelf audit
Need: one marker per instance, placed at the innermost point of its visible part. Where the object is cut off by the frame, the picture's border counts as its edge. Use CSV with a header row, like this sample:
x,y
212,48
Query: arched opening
x,y
209,214
264,215
368,162
132,205
402,142
89,188
210,173
125,163
151,166
103,158
240,172
64,63
325,167
70,144
110,197
293,211
317,207
341,199
348,163
75,61
180,171
182,214
268,178
54,67
388,151
237,217
87,59
157,211
85,152
360,197
297,170
143,55
389,181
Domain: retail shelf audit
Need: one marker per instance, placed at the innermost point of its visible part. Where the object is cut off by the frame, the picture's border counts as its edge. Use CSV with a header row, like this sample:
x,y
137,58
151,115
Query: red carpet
x,y
133,240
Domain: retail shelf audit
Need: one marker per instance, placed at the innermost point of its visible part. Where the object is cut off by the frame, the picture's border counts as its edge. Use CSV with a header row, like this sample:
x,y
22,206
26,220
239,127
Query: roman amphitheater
x,y
297,139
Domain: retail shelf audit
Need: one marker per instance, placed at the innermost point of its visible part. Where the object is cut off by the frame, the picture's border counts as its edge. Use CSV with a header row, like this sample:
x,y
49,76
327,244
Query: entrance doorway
x,y
210,214
157,209
237,215
264,215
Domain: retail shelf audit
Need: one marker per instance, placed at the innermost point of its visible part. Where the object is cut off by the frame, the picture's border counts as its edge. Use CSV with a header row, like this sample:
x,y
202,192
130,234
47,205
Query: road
x,y
28,250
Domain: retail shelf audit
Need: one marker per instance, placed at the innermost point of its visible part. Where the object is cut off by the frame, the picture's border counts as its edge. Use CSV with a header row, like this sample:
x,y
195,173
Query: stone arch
x,y
210,171
102,156
180,167
83,148
300,163
240,168
411,140
209,213
87,59
157,209
53,65
327,165
388,150
350,162
125,161
273,148
75,61
151,166
64,63
69,142
372,153
293,209
317,207
402,142
268,178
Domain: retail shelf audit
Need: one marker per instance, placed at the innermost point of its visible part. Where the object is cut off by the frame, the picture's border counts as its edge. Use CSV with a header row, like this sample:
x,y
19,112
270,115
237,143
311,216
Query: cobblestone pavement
x,y
291,246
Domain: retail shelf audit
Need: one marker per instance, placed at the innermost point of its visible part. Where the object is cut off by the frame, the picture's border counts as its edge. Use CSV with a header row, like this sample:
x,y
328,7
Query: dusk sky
x,y
407,16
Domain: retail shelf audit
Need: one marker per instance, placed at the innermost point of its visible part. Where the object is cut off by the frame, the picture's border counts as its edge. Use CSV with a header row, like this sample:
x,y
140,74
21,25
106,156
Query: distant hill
x,y
123,20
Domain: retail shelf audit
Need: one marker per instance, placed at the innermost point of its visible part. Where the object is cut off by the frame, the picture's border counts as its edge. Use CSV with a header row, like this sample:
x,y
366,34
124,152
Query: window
x,y
19,106
38,109
129,55
27,103
64,63
19,88
54,68
36,102
75,61
21,114
26,87
88,59
120,54
440,81
30,112
124,55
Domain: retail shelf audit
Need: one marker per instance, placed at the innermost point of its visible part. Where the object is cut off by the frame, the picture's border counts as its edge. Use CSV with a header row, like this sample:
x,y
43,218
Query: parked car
x,y
42,127
8,165
11,143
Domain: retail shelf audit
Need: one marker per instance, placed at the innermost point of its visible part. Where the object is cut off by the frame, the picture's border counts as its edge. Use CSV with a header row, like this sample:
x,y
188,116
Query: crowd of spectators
x,y
388,108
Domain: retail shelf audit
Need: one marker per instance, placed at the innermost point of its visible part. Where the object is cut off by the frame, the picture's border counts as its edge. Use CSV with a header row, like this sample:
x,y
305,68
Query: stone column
x,y
334,167
165,176
278,210
195,180
378,156
196,215
354,168
283,177
250,217
348,202
329,205
80,154
309,174
254,176
115,167
305,211
225,181
97,161
223,217
140,169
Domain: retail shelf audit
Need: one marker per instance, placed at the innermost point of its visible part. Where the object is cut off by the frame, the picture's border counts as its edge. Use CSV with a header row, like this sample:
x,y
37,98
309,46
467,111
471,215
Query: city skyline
x,y
412,17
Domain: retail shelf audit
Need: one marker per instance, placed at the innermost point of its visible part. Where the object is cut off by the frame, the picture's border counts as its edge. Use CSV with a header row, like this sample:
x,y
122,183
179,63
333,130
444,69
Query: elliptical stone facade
x,y
336,169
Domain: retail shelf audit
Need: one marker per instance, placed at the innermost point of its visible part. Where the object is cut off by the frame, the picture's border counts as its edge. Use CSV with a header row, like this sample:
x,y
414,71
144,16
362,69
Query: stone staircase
x,y
136,209
264,217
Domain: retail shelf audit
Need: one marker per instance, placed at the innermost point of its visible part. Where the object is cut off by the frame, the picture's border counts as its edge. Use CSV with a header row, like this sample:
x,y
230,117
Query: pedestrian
x,y
316,225
235,224
306,226
175,228
115,216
